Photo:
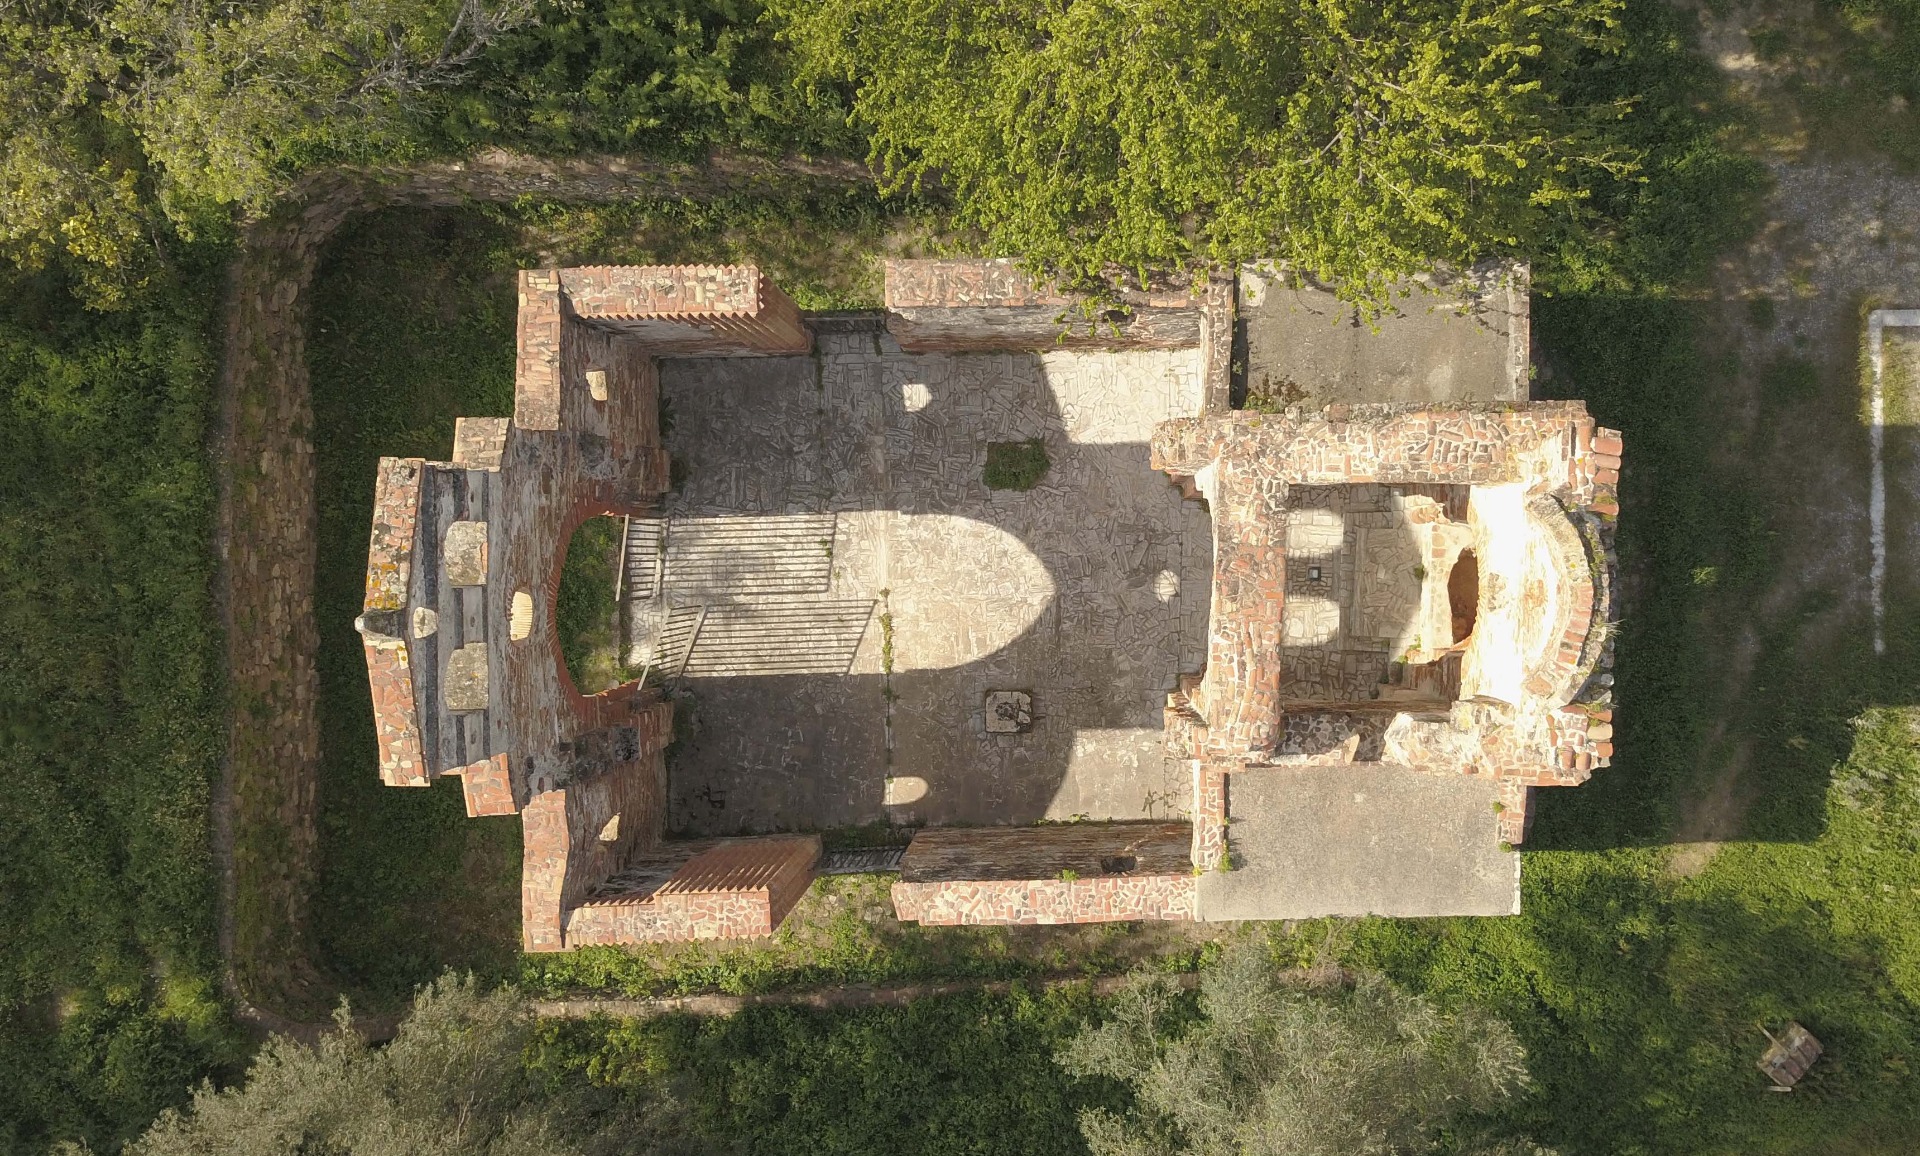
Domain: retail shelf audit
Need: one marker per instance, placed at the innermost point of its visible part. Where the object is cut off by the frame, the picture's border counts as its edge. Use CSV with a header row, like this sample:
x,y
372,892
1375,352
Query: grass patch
x,y
586,617
111,707
1850,72
1016,465
413,322
972,1073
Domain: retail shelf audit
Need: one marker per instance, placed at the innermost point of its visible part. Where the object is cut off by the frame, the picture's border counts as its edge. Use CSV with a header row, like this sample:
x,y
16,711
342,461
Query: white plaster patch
x,y
903,789
1495,662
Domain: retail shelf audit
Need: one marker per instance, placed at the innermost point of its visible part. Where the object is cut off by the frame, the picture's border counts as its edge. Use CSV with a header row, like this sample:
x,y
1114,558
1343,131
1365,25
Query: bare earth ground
x,y
1841,234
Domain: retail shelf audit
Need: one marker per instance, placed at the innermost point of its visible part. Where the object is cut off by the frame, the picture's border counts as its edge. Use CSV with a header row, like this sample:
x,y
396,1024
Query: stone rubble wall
x,y
1053,873
973,305
953,854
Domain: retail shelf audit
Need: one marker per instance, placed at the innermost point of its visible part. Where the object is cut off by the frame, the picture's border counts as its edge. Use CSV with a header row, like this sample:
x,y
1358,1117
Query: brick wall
x,y
737,889
1056,873
689,310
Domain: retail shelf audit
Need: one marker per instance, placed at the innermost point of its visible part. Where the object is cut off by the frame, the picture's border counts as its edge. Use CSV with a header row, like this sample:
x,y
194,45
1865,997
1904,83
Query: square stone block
x,y
1009,712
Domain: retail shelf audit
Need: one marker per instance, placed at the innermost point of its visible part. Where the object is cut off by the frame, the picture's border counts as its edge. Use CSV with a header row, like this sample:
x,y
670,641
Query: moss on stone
x,y
1016,465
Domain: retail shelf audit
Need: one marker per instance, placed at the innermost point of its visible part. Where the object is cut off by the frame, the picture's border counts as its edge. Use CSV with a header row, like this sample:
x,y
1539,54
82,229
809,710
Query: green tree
x,y
123,119
1274,1065
1360,140
458,1080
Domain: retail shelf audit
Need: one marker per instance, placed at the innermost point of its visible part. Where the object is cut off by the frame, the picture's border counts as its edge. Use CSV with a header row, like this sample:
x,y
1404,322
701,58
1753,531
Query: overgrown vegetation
x,y
1305,1064
110,710
1016,465
1850,70
1360,142
455,1081
128,123
1637,991
586,617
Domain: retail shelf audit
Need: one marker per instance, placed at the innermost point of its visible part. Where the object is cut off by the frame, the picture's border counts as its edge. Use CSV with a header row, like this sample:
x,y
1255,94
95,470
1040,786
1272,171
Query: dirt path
x,y
264,836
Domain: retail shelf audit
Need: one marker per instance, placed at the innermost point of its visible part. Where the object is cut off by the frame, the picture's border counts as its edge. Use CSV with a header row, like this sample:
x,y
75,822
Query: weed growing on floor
x,y
1016,465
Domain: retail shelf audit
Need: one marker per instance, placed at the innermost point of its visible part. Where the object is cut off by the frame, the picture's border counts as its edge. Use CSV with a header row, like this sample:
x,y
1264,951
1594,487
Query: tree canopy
x,y
1284,1067
1359,140
113,110
459,1079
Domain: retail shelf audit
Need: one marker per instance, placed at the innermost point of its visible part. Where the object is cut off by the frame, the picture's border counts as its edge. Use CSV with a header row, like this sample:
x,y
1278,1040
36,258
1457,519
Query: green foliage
x,y
1692,196
1016,465
110,711
456,1080
585,615
968,1073
675,77
124,119
1272,1064
1360,141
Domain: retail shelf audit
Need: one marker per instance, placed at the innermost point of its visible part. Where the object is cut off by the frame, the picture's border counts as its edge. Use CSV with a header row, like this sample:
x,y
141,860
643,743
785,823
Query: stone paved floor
x,y
1088,591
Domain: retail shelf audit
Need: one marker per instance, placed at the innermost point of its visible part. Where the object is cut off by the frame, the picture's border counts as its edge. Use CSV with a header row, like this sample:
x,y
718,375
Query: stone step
x,y
810,637
745,557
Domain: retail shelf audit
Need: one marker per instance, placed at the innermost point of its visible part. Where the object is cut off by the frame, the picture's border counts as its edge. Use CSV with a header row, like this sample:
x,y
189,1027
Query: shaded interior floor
x,y
851,652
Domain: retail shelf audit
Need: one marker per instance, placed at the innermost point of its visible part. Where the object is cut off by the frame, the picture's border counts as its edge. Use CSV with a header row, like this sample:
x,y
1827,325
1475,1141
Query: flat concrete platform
x,y
1360,840
1463,344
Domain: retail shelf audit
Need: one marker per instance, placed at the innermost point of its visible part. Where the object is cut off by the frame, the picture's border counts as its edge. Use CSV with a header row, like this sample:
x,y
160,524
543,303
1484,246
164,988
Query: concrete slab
x,y
1088,592
1360,840
1305,347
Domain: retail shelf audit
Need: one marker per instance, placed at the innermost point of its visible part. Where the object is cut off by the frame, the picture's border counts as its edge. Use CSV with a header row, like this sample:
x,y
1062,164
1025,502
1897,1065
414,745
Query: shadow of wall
x,y
1088,591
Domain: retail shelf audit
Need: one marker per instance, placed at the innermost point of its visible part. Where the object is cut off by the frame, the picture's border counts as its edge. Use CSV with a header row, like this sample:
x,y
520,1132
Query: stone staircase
x,y
738,597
